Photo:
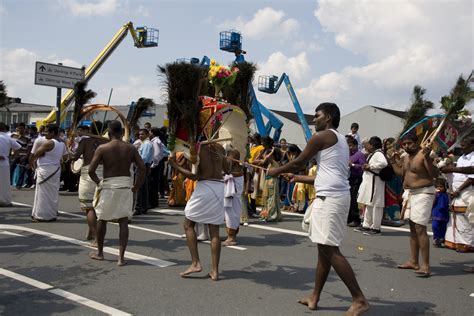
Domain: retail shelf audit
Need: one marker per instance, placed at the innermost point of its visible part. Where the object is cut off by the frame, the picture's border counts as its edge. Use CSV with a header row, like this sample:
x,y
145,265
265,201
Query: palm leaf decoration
x,y
418,108
143,105
81,97
238,92
454,103
183,85
4,100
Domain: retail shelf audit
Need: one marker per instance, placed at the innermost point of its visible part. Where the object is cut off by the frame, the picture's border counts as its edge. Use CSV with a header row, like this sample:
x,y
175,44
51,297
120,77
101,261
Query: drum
x,y
76,166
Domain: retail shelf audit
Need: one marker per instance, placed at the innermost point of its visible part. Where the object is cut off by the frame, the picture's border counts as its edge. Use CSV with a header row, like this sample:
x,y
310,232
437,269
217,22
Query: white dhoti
x,y
206,205
5,191
329,219
114,198
46,202
232,212
87,188
460,231
418,203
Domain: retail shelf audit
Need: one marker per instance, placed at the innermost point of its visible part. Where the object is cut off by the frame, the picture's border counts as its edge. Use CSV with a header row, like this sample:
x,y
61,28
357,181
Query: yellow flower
x,y
213,62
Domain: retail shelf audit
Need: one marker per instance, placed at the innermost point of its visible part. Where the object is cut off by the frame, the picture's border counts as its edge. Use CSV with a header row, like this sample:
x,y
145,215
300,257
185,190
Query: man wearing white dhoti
x,y
7,144
87,186
418,171
48,171
114,194
372,188
206,205
331,206
234,186
460,231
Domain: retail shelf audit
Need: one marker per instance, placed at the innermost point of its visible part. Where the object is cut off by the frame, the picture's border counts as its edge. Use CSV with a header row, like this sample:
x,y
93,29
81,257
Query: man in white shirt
x,y
156,171
332,203
7,144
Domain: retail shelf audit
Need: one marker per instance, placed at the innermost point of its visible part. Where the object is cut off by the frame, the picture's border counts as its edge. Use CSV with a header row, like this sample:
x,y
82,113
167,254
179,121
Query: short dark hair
x,y
115,127
354,125
441,182
144,130
3,127
155,131
53,128
351,140
376,142
21,124
332,110
411,136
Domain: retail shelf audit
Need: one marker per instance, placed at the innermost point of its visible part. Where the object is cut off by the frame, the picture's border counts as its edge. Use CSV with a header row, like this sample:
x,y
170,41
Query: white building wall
x,y
291,131
372,122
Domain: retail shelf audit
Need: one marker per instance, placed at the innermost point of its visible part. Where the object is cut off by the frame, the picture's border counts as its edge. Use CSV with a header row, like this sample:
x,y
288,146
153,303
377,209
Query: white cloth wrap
x,y
46,202
459,230
5,191
232,212
229,190
206,205
419,203
87,187
370,181
329,219
114,198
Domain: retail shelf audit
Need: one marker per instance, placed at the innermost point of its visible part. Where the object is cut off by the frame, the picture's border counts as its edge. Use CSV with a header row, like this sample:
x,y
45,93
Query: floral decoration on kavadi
x,y
221,76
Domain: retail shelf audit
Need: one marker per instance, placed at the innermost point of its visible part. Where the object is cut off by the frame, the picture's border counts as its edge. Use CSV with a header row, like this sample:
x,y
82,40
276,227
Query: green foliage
x,y
3,96
461,93
418,108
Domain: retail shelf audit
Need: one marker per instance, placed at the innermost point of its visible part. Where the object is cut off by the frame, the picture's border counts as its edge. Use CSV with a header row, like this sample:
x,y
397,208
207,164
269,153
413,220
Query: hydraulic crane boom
x,y
271,84
142,37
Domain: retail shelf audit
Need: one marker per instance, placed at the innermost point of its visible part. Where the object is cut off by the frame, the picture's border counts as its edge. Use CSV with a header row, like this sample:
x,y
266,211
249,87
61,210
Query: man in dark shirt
x,y
356,161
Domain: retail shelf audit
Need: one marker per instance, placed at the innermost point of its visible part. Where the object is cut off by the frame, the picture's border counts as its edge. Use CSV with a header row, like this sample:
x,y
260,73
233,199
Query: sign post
x,y
58,76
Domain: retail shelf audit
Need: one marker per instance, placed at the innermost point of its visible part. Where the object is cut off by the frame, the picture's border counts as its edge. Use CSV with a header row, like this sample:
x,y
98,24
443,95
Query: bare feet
x,y
213,275
229,243
96,256
121,262
309,301
93,243
409,265
357,308
423,272
192,269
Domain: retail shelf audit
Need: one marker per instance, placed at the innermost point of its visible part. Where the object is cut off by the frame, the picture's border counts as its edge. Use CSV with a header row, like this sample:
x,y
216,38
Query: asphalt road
x,y
45,270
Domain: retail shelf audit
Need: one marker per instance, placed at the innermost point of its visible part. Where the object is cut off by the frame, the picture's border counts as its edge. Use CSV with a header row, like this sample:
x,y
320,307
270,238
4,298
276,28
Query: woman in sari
x,y
271,194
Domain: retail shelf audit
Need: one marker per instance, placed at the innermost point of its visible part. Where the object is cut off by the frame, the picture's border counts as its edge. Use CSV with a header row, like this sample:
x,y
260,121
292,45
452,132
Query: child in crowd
x,y
271,197
440,212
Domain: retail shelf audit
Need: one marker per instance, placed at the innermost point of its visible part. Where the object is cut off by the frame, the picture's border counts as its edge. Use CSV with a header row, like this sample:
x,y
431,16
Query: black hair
x,y
115,127
21,124
277,155
267,142
332,110
3,127
52,128
376,142
144,130
441,182
411,136
155,131
351,140
354,125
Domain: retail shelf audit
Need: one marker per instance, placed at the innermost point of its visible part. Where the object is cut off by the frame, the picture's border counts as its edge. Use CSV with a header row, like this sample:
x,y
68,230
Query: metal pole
x,y
58,104
105,115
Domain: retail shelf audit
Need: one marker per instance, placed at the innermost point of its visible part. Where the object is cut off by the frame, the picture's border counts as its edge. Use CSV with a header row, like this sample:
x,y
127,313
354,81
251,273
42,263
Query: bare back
x,y
87,148
117,157
211,162
414,172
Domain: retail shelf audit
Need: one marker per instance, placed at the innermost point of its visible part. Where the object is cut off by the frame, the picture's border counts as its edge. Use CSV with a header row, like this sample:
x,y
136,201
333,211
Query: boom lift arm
x,y
142,37
271,84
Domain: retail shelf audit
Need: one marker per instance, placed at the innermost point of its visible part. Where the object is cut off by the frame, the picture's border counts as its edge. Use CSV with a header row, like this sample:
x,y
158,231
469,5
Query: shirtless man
x,y
206,205
232,212
87,186
114,194
418,173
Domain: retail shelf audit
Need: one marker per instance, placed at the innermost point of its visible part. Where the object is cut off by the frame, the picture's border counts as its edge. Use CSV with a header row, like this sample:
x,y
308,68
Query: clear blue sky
x,y
354,53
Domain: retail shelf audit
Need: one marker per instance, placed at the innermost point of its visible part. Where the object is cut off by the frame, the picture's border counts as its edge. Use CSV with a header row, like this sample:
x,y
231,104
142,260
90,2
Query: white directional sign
x,y
57,75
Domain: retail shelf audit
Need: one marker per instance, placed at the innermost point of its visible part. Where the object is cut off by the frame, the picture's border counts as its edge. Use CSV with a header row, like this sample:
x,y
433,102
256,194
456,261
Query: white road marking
x,y
67,295
21,204
130,255
280,230
4,232
157,231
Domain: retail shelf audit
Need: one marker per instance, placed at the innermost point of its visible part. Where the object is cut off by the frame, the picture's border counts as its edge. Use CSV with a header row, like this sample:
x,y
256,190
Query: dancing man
x,y
331,207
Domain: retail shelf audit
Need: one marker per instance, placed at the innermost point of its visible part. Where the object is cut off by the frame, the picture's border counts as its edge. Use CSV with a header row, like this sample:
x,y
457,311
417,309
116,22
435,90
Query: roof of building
x,y
28,107
400,114
292,116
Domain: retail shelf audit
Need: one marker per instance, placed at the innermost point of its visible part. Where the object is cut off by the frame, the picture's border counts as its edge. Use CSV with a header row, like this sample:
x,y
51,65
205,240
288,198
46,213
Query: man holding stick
x,y
418,171
331,206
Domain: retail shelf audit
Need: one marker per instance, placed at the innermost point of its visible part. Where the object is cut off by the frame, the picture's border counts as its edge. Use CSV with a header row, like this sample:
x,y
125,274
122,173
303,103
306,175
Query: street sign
x,y
57,75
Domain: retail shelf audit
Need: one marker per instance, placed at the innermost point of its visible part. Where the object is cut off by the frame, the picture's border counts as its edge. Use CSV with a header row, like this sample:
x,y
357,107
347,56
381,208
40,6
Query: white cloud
x,y
266,22
143,11
3,11
91,8
17,69
405,43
